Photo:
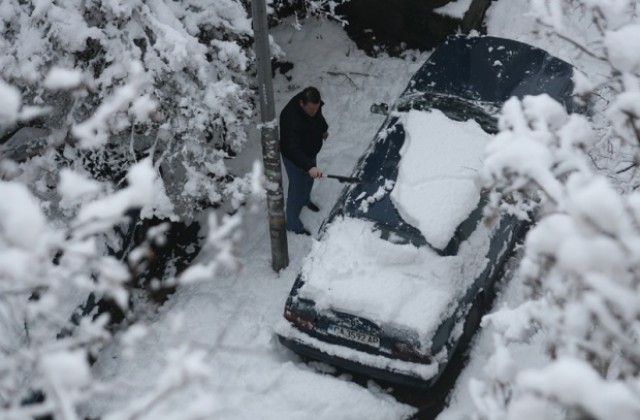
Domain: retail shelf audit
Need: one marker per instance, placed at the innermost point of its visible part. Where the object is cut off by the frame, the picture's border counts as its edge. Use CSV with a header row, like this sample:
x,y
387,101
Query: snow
x,y
352,270
73,187
528,154
232,316
66,372
232,319
455,9
622,48
224,318
230,51
9,103
577,384
93,132
138,193
67,369
59,78
488,358
437,186
22,228
383,282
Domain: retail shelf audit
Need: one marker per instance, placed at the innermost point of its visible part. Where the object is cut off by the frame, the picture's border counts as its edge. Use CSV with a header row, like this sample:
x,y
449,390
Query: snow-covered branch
x,y
581,263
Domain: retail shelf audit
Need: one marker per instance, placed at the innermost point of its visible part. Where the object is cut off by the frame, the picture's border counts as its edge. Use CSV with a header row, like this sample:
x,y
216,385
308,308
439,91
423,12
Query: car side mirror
x,y
380,108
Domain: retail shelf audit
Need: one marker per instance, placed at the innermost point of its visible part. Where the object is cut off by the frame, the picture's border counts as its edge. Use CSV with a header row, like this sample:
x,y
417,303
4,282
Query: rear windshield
x,y
371,198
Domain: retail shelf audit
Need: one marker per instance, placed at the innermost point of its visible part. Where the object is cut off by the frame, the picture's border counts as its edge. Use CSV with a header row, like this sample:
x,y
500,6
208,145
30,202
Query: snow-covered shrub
x,y
166,79
108,110
49,332
581,265
308,8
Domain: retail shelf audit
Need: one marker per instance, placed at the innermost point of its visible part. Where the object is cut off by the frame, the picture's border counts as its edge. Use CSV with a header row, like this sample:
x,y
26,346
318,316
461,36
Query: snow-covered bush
x,y
162,78
308,8
59,266
109,111
581,264
48,334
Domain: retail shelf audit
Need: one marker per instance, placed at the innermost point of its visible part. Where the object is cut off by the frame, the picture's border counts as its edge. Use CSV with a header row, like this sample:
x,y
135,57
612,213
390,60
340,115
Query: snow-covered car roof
x,y
437,185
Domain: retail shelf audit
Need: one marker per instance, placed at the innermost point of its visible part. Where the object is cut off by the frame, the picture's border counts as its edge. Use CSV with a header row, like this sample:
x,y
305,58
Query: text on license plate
x,y
353,335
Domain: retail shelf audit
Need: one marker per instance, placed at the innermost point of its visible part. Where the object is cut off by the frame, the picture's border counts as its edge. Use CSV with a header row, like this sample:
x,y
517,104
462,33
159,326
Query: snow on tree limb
x,y
94,132
134,102
581,265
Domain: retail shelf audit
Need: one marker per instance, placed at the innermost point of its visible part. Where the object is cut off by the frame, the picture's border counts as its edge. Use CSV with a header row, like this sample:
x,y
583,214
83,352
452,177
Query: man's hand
x,y
315,172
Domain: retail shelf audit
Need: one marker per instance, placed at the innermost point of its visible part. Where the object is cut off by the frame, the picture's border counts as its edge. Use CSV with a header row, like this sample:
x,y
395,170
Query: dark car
x,y
405,265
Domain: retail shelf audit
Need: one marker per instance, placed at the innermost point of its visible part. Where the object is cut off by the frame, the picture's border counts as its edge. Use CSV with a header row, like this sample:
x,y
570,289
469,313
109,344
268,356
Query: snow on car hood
x,y
353,270
437,186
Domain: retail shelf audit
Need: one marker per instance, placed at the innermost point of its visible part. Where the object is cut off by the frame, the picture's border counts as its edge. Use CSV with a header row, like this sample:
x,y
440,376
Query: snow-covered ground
x,y
230,318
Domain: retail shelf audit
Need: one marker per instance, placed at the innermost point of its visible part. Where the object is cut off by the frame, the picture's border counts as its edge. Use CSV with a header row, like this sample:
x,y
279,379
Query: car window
x,y
437,186
456,108
492,70
371,199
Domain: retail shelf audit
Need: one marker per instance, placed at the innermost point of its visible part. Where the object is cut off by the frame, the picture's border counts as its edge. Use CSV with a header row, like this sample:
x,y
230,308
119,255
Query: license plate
x,y
352,335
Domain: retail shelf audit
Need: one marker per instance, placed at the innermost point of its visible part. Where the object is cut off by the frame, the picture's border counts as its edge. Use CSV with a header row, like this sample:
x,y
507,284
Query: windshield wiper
x,y
454,107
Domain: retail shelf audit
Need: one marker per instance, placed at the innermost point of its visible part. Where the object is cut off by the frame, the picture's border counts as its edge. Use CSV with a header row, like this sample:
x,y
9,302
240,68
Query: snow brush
x,y
343,179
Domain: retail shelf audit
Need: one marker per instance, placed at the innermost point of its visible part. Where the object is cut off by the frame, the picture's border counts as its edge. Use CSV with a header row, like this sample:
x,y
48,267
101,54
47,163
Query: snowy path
x,y
230,318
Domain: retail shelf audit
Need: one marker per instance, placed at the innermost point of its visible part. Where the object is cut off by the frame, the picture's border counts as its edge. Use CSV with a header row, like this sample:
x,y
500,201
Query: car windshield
x,y
454,107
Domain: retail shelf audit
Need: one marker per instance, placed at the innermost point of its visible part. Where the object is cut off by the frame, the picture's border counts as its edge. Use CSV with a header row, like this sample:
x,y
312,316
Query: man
x,y
303,129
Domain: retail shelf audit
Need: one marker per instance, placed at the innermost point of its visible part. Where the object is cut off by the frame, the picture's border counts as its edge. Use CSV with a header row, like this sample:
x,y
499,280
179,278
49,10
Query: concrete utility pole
x,y
270,145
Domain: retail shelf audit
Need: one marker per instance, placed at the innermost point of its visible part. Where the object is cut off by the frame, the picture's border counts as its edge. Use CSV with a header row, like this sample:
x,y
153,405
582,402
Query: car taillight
x,y
303,321
409,353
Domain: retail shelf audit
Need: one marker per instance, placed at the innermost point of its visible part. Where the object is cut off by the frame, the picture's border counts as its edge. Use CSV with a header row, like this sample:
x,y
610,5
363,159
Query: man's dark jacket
x,y
301,135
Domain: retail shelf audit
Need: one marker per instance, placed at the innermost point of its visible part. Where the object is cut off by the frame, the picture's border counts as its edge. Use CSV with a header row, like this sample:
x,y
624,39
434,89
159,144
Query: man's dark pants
x,y
298,194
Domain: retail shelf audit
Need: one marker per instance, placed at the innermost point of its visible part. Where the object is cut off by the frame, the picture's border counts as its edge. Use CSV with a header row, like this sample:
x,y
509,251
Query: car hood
x,y
352,270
